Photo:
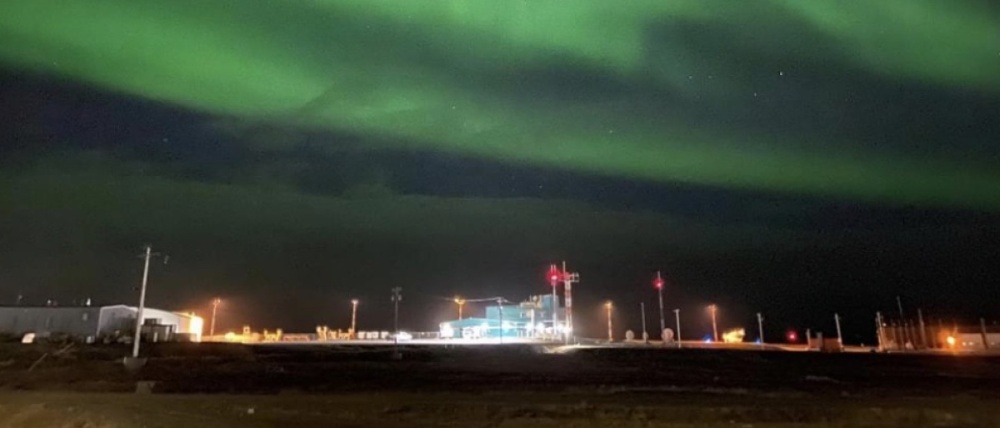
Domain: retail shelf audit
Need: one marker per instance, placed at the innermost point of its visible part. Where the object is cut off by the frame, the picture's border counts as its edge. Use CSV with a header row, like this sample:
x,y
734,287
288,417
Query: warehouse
x,y
92,323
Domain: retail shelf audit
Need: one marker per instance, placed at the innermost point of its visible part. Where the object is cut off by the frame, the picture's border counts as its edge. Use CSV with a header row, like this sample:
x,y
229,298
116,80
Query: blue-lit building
x,y
529,319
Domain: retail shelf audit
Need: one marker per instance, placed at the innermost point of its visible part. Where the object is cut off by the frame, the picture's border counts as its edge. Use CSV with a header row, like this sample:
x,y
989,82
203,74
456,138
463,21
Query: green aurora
x,y
441,75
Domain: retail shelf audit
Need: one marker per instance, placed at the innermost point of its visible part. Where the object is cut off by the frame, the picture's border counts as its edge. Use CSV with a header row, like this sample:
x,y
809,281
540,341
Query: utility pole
x,y
840,338
142,303
554,275
760,328
677,315
715,326
397,296
215,309
354,318
642,309
611,337
659,283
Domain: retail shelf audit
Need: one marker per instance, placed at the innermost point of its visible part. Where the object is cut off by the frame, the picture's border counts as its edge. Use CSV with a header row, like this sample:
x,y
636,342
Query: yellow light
x,y
196,327
230,337
950,340
733,336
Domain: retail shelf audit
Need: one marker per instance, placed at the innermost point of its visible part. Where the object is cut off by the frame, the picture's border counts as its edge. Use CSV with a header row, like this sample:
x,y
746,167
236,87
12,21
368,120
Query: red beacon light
x,y
554,275
658,282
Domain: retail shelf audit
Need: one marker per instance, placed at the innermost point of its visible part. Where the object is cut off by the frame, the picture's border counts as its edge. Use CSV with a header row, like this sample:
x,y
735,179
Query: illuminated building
x,y
529,319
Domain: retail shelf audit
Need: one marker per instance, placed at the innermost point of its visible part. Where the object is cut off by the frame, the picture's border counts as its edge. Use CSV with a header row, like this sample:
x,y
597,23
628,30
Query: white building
x,y
91,322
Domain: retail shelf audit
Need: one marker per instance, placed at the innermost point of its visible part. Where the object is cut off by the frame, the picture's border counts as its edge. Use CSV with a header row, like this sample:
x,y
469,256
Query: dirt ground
x,y
486,410
231,385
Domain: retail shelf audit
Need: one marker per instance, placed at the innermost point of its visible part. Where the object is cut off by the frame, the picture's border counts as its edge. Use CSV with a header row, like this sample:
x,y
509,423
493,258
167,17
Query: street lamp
x,y
677,316
354,318
715,328
396,297
460,302
658,283
609,306
760,328
215,309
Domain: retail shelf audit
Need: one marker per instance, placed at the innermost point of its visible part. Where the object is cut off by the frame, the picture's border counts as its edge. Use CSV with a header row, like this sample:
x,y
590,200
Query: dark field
x,y
501,386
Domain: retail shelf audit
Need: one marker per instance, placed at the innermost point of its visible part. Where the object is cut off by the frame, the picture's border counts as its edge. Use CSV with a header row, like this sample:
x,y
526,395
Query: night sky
x,y
797,158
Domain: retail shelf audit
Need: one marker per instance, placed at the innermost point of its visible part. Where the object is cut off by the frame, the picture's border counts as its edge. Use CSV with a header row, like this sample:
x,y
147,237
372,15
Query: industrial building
x,y
532,318
93,323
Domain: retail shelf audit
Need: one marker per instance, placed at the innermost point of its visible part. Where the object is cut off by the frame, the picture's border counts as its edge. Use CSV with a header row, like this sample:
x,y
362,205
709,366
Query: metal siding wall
x,y
77,321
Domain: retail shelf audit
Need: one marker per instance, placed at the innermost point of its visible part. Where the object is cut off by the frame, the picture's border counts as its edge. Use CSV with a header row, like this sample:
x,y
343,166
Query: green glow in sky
x,y
446,75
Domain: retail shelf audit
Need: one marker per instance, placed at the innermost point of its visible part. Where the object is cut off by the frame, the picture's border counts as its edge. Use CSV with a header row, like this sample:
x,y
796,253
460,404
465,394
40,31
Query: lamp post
x,y
840,338
215,309
460,302
715,328
396,297
642,310
677,315
760,328
354,318
658,283
609,306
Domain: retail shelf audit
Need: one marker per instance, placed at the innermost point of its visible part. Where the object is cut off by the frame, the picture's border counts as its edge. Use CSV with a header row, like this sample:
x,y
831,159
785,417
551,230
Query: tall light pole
x,y
760,328
354,318
396,297
658,283
460,302
840,339
609,306
715,327
215,309
568,278
677,315
642,310
553,277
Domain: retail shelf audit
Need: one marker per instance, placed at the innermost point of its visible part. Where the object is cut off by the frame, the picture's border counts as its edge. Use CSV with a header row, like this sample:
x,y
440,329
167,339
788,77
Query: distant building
x,y
93,322
971,337
529,319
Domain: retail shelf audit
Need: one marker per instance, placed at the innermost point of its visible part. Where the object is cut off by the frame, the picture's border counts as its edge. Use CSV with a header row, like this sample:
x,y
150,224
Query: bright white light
x,y
196,327
540,326
404,336
507,324
447,331
485,326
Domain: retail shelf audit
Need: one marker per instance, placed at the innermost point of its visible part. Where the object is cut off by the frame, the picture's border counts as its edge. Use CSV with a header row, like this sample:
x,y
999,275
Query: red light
x,y
554,275
658,283
792,336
